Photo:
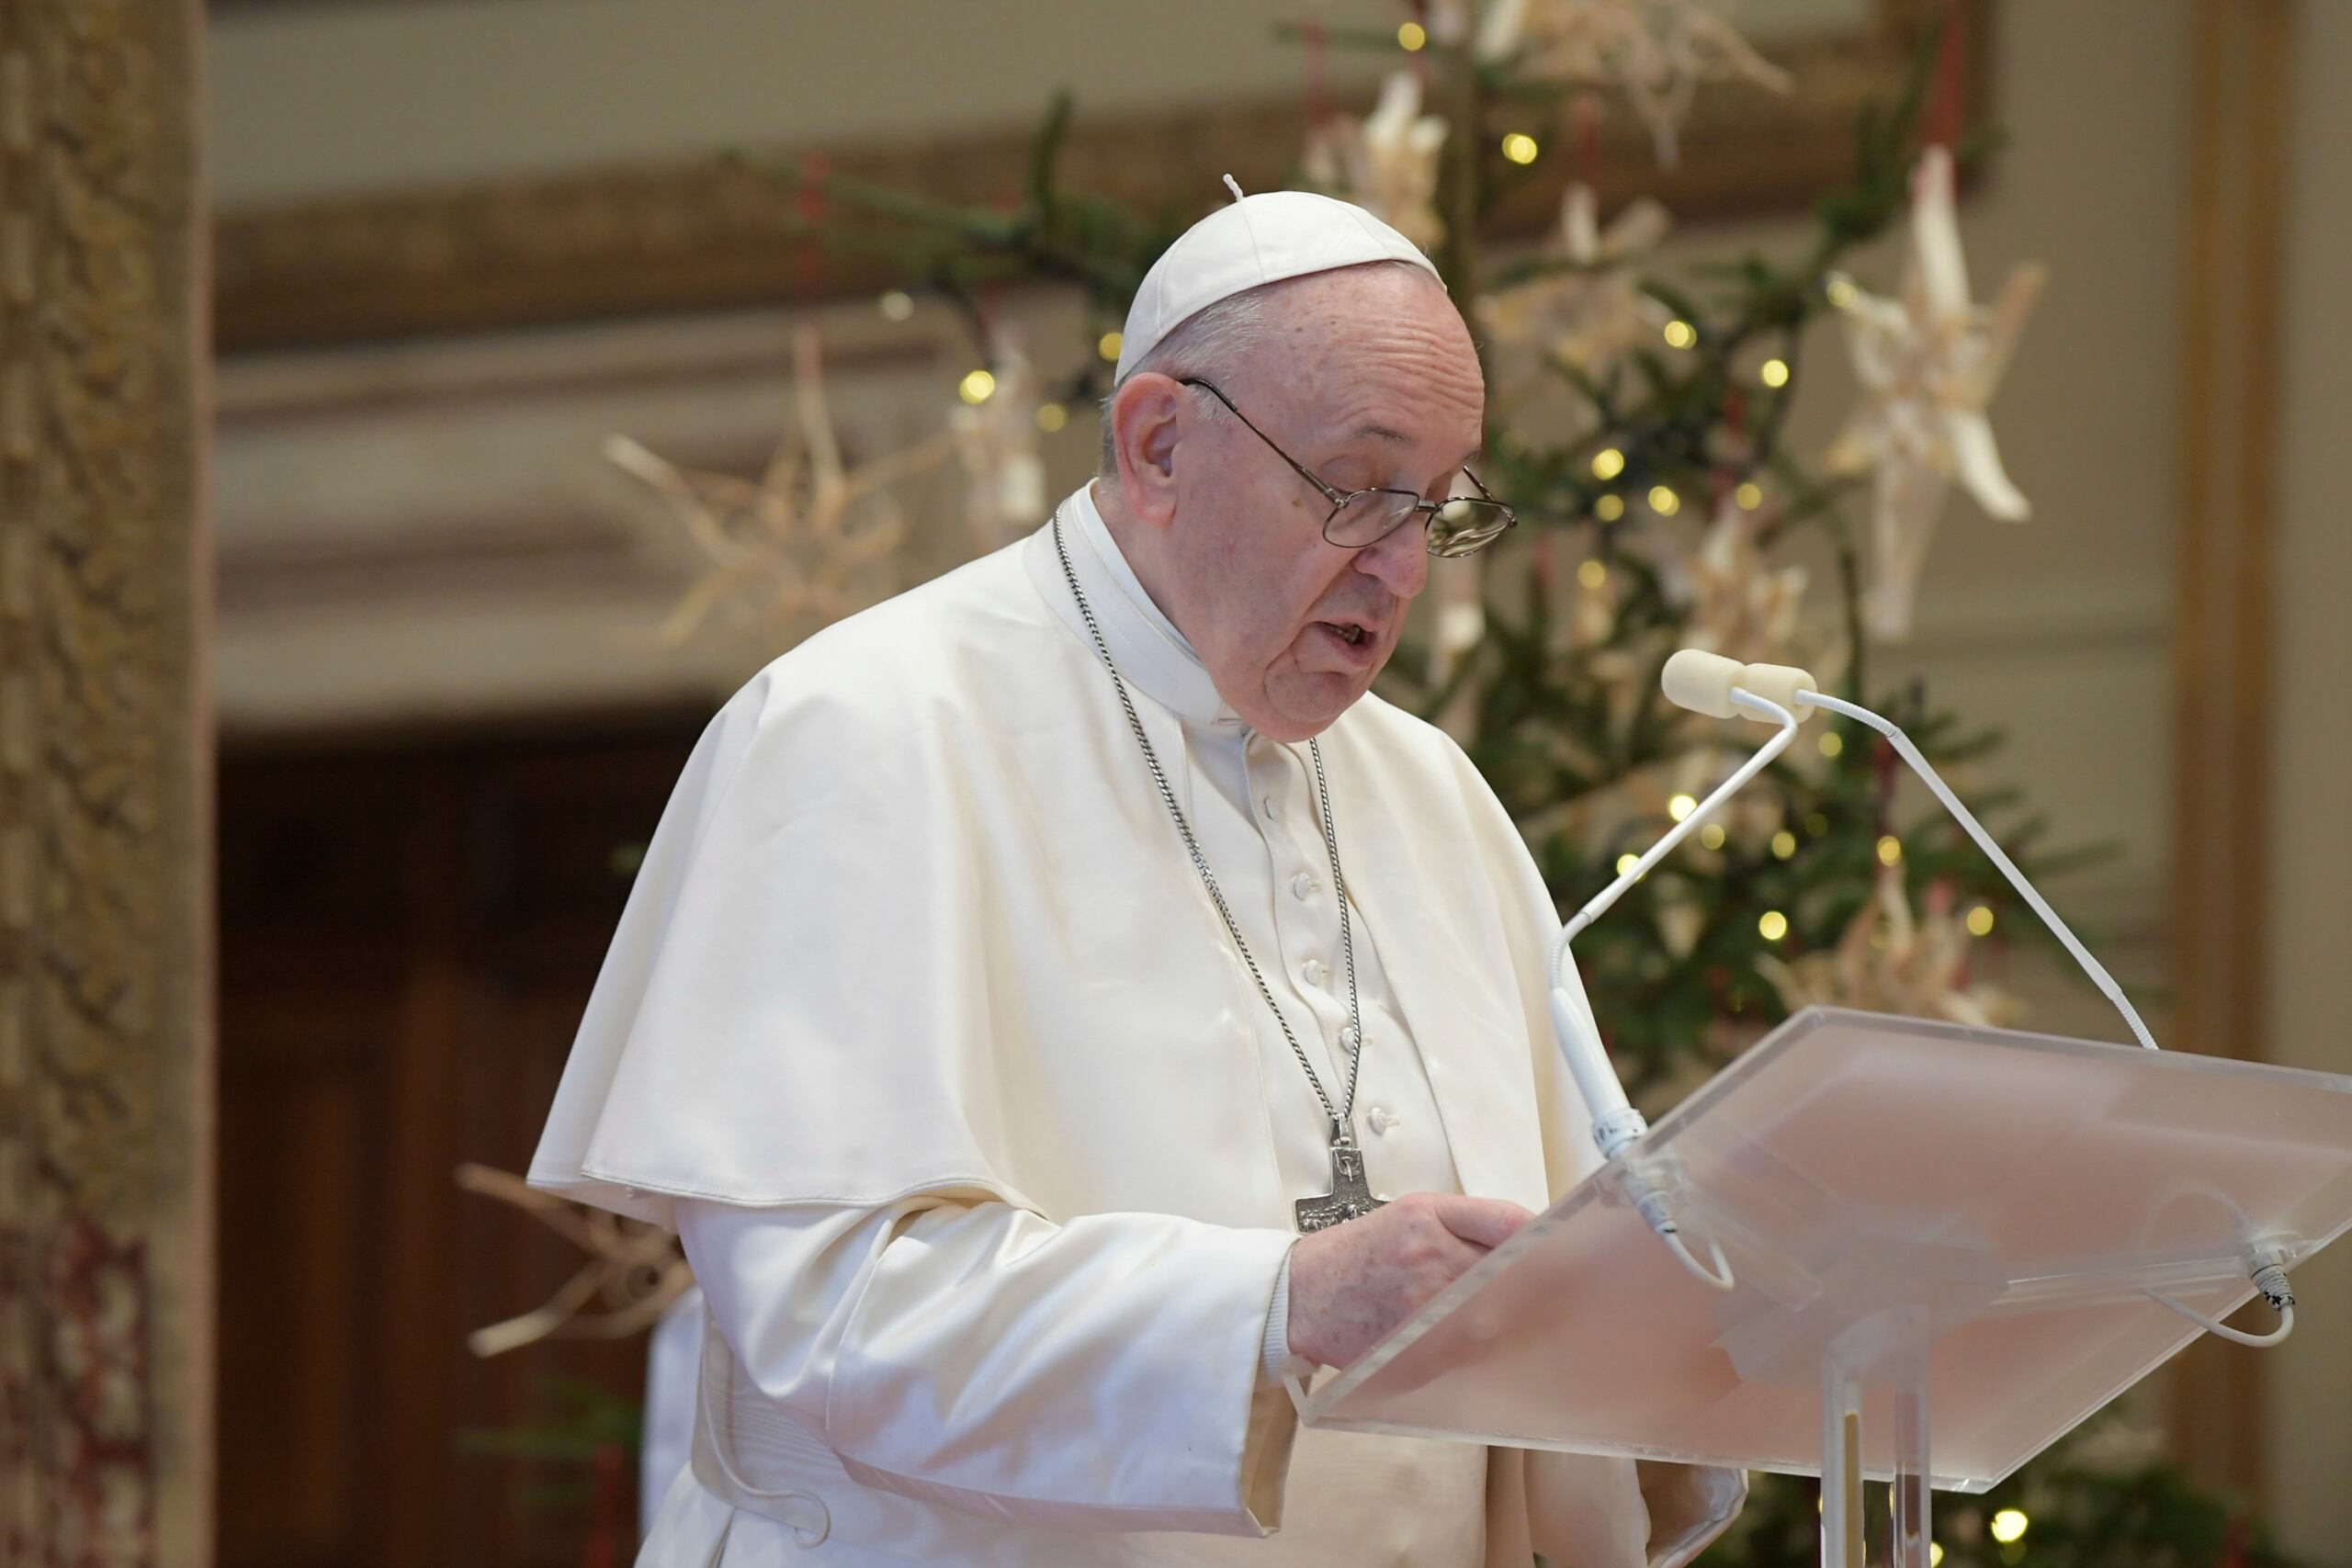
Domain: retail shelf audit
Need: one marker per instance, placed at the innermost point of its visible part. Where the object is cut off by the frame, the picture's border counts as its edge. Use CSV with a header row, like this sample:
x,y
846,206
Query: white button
x,y
1273,809
1382,1121
1314,971
1302,887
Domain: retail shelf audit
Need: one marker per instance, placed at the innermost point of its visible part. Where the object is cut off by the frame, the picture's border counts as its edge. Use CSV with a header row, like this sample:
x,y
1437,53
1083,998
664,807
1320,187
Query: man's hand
x,y
1353,1283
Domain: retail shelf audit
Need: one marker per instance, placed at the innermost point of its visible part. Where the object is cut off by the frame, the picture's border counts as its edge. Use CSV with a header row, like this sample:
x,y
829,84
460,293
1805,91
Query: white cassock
x,y
921,1029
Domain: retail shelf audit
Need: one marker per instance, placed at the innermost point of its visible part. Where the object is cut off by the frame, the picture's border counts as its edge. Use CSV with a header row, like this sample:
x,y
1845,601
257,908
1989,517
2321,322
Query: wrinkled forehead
x,y
1399,378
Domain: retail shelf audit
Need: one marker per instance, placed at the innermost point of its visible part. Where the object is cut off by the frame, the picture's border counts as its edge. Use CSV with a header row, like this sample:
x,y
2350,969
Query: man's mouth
x,y
1357,642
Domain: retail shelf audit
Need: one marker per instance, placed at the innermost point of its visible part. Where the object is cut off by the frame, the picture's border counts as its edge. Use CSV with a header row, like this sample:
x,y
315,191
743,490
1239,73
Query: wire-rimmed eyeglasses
x,y
1458,526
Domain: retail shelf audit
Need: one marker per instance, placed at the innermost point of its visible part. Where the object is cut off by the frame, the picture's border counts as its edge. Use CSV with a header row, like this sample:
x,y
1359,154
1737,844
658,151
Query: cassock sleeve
x,y
1103,1374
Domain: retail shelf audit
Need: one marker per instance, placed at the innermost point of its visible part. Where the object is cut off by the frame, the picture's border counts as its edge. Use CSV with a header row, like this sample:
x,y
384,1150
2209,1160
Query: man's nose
x,y
1400,561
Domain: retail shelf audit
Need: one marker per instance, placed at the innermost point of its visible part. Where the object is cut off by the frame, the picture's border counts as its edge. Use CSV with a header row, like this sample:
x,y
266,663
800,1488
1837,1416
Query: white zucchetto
x,y
1255,238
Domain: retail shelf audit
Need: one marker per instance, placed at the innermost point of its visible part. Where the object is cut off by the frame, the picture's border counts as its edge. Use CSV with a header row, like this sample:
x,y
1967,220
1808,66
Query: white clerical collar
x,y
1148,650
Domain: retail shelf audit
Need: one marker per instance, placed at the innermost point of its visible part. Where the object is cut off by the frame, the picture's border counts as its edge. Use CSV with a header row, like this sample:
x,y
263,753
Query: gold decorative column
x,y
105,790
2223,660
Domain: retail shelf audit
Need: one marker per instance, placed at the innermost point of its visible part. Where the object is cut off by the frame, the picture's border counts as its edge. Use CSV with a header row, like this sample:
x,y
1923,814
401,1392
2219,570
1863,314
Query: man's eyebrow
x,y
1379,432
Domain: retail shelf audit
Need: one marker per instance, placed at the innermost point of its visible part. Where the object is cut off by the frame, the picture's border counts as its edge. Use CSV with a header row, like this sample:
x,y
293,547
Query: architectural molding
x,y
2222,654
710,232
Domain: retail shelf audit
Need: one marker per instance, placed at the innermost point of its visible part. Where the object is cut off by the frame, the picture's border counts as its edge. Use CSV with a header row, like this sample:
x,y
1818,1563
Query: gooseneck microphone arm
x,y
1781,695
1910,753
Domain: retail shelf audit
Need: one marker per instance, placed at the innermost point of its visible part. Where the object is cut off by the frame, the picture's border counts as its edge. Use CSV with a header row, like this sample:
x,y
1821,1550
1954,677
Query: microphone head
x,y
1702,681
1779,684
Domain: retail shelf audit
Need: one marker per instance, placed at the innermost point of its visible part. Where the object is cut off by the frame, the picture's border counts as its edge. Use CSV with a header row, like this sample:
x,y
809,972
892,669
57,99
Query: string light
x,y
1890,851
976,386
1108,346
1784,844
2008,1526
1680,806
1680,334
1712,835
1980,921
1750,496
1935,1554
1775,373
1817,824
1609,508
1664,501
1591,575
1051,417
897,305
1831,743
1411,37
1841,290
1774,925
1626,863
1519,147
1608,463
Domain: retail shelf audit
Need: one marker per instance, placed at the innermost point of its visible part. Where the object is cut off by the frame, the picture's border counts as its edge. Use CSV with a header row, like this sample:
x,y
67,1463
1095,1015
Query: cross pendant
x,y
1349,1197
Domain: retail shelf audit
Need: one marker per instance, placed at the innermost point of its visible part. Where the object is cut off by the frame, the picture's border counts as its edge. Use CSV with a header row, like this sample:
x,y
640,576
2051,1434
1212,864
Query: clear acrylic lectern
x,y
1943,1239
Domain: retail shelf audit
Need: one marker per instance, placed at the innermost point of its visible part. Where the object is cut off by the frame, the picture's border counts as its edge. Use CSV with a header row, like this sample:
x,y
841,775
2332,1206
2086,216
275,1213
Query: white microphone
x,y
1781,694
1723,688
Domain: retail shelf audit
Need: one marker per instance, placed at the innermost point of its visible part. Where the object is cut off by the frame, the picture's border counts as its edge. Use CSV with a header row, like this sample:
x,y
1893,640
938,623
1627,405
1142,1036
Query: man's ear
x,y
1146,423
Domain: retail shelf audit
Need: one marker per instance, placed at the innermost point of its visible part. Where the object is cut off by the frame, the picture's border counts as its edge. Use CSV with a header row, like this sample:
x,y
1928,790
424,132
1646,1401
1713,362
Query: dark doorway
x,y
409,929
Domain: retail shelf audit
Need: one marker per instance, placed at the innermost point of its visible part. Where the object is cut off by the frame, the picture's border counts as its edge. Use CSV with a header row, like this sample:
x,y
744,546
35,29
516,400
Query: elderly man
x,y
1060,1000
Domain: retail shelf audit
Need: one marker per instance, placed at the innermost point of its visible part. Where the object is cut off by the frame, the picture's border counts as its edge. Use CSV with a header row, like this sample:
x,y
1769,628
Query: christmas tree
x,y
1637,421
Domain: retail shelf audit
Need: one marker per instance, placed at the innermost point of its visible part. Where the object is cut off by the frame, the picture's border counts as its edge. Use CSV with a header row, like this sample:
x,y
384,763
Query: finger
x,y
1482,1222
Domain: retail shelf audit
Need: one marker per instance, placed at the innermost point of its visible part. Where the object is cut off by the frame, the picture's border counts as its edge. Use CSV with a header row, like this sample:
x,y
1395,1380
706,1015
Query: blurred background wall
x,y
441,714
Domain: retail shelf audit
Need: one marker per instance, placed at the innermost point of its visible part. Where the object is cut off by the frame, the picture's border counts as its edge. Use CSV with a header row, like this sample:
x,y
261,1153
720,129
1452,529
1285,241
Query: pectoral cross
x,y
1351,1195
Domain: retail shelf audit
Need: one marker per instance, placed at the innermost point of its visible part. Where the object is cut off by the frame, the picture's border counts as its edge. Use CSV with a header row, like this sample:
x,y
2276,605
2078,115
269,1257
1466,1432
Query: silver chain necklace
x,y
1351,1193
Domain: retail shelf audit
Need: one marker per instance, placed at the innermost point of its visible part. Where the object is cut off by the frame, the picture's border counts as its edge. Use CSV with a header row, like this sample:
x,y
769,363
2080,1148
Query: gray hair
x,y
1208,344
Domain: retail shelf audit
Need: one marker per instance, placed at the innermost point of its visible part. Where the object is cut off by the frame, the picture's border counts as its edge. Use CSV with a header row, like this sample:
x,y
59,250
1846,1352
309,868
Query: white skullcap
x,y
1258,239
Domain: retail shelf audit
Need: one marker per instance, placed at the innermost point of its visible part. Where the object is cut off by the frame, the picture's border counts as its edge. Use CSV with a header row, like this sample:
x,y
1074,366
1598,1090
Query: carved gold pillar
x,y
105,776
2223,596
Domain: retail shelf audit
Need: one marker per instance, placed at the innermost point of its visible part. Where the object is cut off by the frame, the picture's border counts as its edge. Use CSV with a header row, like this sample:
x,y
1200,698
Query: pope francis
x,y
1060,1000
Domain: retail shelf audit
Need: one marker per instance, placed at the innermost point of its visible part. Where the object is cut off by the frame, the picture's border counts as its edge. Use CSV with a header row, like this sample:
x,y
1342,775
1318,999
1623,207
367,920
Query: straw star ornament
x,y
1892,959
1387,162
809,542
1741,604
631,1273
1928,363
1655,51
1590,314
996,442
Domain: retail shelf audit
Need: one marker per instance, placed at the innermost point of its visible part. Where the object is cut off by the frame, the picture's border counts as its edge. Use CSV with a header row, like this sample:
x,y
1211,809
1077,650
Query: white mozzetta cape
x,y
915,927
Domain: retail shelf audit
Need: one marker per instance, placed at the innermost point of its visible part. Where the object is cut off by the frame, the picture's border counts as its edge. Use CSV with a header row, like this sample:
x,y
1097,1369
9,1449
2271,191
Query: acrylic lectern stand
x,y
1942,1239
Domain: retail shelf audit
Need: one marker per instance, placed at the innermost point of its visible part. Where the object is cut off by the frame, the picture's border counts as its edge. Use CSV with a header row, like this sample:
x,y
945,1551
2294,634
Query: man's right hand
x,y
1353,1283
